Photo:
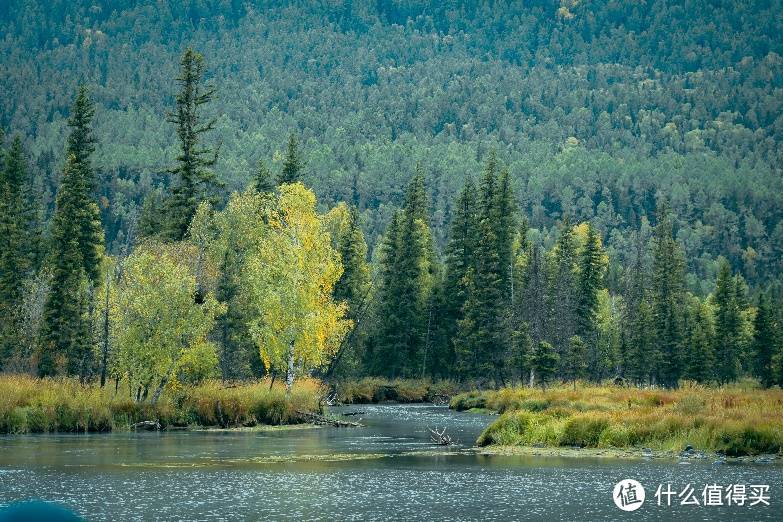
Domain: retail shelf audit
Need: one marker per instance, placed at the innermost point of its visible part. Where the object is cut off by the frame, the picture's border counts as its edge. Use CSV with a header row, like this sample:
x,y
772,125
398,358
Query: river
x,y
387,470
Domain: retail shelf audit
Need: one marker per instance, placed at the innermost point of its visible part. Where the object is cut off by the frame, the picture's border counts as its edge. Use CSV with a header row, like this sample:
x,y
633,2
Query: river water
x,y
387,470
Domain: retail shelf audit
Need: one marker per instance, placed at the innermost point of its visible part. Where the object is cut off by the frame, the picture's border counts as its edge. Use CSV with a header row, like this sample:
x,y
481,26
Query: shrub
x,y
583,431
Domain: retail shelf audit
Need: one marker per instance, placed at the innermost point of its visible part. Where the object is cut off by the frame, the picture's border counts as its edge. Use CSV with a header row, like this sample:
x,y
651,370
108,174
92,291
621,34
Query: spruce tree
x,y
193,181
728,323
764,342
460,260
504,227
575,361
589,283
264,181
353,285
19,243
65,332
668,290
563,290
81,146
479,347
545,363
700,354
533,298
292,164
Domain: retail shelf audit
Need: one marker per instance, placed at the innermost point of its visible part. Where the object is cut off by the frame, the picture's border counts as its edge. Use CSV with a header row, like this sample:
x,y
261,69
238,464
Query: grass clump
x,y
735,421
30,405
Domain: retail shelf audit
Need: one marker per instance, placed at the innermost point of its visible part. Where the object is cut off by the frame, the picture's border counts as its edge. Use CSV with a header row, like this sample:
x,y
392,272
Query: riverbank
x,y
732,421
373,390
30,405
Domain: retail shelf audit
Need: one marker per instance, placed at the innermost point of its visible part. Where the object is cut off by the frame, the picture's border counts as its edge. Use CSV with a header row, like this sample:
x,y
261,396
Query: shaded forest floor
x,y
734,421
30,405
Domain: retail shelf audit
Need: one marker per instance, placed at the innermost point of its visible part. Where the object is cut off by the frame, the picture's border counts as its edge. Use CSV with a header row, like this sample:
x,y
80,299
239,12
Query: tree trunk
x,y
158,391
532,377
289,377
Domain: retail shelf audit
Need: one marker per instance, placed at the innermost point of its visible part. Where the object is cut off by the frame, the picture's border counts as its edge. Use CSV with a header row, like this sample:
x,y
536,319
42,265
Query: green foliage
x,y
545,361
727,325
765,342
292,165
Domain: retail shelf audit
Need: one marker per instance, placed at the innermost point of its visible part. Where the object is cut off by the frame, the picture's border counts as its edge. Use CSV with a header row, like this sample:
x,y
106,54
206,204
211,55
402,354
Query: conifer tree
x,y
193,181
504,227
727,325
700,356
764,342
533,299
460,260
668,287
575,362
545,363
590,282
65,333
563,290
19,243
479,347
292,164
81,145
353,285
264,181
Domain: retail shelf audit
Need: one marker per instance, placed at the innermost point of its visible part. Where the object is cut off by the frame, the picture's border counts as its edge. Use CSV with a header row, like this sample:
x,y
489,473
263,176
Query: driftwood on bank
x,y
146,425
321,420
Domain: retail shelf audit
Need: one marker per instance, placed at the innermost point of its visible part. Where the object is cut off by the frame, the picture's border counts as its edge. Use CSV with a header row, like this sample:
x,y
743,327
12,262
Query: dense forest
x,y
493,192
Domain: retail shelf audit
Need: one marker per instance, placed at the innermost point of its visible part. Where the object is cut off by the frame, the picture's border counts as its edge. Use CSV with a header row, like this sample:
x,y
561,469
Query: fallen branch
x,y
440,437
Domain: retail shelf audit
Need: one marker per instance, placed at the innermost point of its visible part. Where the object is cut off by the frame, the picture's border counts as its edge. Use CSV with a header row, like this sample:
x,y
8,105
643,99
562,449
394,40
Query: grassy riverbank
x,y
29,405
735,421
374,390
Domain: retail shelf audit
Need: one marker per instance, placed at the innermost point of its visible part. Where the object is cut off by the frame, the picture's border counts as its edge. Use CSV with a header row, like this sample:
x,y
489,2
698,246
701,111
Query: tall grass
x,y
735,421
29,405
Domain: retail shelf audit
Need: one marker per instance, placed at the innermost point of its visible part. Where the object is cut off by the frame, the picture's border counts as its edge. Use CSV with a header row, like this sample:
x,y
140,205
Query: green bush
x,y
508,430
583,431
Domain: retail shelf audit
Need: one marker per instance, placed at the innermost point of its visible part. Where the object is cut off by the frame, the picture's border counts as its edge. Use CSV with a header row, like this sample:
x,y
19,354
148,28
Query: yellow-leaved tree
x,y
296,322
160,322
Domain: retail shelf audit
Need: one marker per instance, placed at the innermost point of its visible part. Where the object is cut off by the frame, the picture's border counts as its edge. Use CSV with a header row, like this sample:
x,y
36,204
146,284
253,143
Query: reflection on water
x,y
387,470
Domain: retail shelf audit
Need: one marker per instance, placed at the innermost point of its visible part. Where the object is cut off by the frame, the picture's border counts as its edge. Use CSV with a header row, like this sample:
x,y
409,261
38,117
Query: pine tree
x,y
65,333
575,361
727,325
479,346
590,282
563,290
460,260
545,363
264,181
668,290
764,343
700,356
194,181
293,164
353,285
19,238
81,145
533,299
504,226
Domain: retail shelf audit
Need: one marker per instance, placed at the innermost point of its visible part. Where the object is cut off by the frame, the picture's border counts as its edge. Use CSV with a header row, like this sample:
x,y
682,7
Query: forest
x,y
547,192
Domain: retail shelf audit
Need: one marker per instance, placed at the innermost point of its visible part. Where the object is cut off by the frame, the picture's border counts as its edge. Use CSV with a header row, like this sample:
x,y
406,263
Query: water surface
x,y
388,470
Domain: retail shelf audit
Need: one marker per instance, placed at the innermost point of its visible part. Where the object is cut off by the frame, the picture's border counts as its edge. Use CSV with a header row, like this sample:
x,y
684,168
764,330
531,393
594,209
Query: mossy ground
x,y
30,405
735,421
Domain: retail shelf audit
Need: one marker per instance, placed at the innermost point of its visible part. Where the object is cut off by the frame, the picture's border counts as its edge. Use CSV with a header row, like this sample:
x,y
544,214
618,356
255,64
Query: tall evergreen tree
x,y
533,298
668,290
638,353
563,290
545,363
460,260
700,356
65,333
589,283
728,323
81,146
194,181
19,243
479,346
764,342
292,164
575,361
504,229
353,285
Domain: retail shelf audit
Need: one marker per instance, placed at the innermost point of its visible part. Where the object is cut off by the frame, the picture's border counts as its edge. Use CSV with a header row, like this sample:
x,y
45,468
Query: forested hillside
x,y
599,109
